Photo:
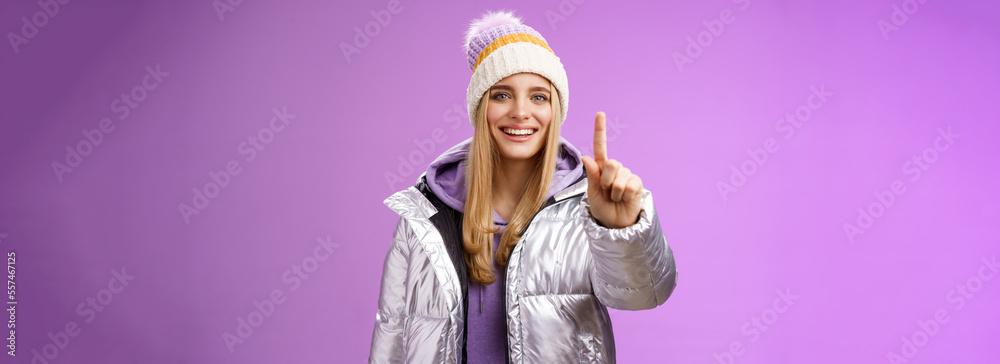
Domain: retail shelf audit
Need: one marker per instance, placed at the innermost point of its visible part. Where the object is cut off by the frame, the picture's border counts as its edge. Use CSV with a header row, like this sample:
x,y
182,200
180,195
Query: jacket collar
x,y
578,187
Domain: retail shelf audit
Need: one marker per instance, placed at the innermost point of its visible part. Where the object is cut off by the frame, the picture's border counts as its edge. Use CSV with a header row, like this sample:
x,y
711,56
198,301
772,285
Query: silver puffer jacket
x,y
560,278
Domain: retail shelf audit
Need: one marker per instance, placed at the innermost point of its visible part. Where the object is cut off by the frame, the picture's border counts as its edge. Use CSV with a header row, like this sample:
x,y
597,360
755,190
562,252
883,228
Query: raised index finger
x,y
600,138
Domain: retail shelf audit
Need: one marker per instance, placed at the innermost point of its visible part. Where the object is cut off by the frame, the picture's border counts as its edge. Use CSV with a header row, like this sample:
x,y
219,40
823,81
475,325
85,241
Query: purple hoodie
x,y
446,178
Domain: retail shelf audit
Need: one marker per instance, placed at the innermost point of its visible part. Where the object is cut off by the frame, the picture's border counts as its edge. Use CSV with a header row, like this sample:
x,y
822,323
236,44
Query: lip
x,y
518,138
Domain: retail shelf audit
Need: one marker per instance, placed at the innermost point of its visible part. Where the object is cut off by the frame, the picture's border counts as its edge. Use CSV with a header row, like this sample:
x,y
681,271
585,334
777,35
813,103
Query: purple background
x,y
681,129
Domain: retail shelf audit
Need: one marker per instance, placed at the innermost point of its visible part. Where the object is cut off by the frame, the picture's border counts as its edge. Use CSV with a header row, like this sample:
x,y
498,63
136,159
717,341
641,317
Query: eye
x,y
498,95
540,97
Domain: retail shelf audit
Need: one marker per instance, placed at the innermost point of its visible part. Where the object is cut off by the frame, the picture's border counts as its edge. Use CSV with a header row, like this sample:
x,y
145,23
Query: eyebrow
x,y
508,88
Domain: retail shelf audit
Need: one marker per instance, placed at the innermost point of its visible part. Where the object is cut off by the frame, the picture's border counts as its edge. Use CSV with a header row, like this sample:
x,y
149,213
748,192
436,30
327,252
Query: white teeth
x,y
518,131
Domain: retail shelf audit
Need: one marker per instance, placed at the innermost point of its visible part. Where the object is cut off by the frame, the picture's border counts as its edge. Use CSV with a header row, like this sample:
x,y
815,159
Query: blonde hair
x,y
481,168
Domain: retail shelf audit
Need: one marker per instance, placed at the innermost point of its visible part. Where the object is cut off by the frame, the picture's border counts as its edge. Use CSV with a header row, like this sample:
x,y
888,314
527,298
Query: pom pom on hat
x,y
498,45
490,20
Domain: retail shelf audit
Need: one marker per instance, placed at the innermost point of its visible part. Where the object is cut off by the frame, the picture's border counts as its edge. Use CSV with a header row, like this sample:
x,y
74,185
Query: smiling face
x,y
518,112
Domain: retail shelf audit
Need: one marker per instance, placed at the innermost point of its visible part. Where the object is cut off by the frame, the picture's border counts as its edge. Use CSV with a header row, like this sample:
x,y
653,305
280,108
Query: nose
x,y
520,111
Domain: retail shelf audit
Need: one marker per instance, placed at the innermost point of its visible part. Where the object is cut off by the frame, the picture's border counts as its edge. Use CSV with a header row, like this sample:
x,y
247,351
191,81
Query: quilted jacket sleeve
x,y
388,339
633,266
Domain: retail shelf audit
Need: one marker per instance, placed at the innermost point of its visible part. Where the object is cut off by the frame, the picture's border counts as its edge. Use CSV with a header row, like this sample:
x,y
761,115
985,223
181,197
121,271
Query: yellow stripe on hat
x,y
509,39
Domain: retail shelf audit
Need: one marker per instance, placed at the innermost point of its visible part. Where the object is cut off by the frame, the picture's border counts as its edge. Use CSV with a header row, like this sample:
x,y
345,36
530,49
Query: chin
x,y
520,153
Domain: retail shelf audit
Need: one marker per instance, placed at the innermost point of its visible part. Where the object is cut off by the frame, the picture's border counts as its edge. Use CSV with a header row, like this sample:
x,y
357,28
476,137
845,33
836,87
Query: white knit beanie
x,y
499,45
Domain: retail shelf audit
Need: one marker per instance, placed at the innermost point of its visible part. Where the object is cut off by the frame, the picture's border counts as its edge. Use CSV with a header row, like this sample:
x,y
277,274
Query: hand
x,y
614,193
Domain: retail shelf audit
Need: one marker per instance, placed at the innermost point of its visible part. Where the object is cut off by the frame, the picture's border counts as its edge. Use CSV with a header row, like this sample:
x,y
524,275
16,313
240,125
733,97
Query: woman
x,y
511,245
